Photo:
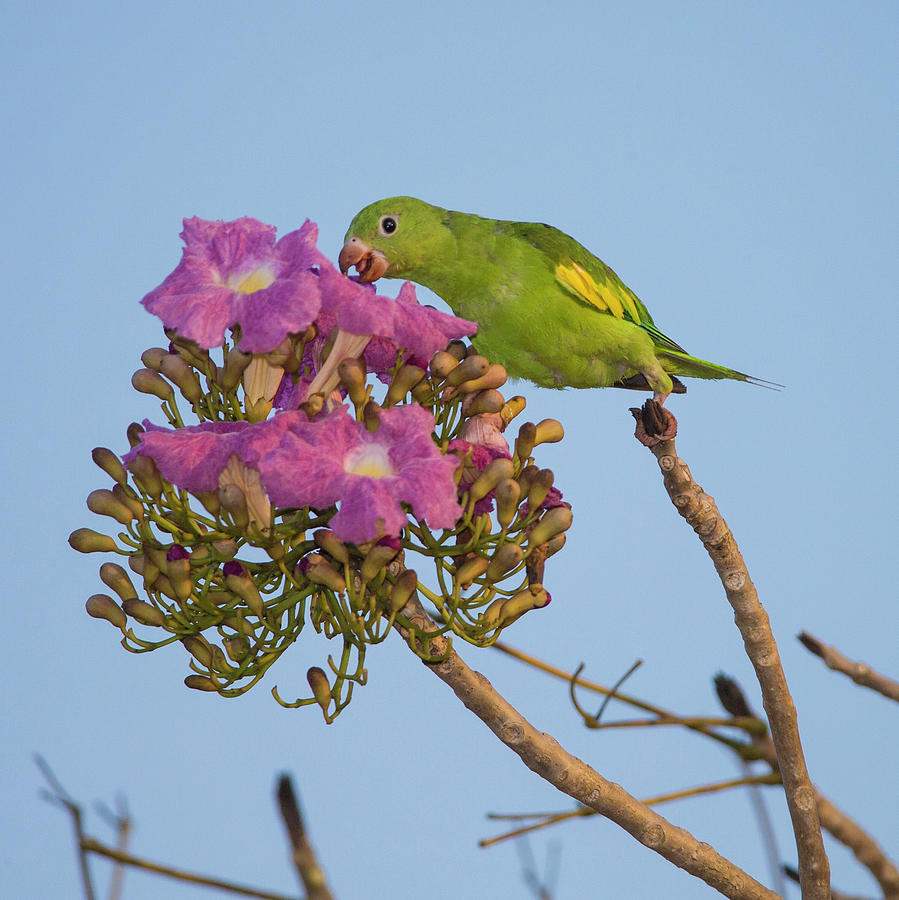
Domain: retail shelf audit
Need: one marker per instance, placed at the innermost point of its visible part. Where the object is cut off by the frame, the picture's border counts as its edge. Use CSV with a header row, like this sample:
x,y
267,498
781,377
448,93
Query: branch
x,y
543,755
656,428
861,673
303,856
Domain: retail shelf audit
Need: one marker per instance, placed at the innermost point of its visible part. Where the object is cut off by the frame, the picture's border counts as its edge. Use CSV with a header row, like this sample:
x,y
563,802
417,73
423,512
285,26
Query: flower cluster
x,y
306,486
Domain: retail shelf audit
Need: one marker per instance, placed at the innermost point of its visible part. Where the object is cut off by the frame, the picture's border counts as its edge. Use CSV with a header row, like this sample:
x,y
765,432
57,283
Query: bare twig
x,y
700,511
543,755
861,673
303,855
793,875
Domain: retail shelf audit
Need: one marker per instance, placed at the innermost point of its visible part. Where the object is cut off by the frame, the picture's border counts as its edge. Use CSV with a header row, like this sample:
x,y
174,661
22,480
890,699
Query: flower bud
x,y
504,560
234,502
526,478
495,376
115,577
512,408
198,647
319,571
554,522
332,545
405,379
312,405
539,488
143,612
370,417
101,606
524,443
86,540
210,501
237,648
238,624
352,374
495,471
507,494
181,374
228,376
469,570
104,503
225,548
442,363
137,563
555,544
246,589
146,475
152,357
110,464
378,557
406,583
485,402
157,556
148,382
321,689
470,368
133,433
549,431
505,610
190,351
257,410
126,497
178,571
163,586
200,683
459,349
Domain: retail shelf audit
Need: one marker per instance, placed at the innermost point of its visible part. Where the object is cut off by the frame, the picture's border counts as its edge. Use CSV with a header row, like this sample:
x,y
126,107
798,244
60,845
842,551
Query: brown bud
x,y
352,374
469,570
198,647
484,403
370,417
133,433
554,522
321,689
126,497
539,488
459,349
146,475
312,405
148,382
332,545
376,559
200,683
152,357
405,379
508,494
504,560
470,368
104,503
228,376
524,443
178,571
526,478
555,544
512,408
495,376
115,577
86,540
495,471
210,501
101,606
143,612
505,610
406,583
246,589
442,363
181,374
110,464
549,431
319,571
236,647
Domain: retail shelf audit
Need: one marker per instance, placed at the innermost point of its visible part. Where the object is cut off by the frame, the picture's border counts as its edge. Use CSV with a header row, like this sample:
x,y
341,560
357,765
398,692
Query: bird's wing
x,y
588,279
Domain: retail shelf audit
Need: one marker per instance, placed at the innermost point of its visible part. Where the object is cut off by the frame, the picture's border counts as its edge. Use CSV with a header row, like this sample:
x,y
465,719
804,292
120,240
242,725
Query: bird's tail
x,y
676,362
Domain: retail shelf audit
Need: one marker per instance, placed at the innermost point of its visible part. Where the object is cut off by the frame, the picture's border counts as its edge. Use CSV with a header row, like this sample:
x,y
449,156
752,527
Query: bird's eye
x,y
387,225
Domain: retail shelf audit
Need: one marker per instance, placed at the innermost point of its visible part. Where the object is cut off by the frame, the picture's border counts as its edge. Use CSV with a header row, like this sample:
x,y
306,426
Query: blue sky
x,y
735,164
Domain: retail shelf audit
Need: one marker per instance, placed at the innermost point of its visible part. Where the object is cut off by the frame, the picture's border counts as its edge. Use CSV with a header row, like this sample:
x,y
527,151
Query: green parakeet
x,y
547,309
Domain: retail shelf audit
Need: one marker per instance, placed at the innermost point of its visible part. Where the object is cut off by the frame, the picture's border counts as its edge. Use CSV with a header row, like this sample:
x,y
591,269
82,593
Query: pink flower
x,y
336,460
235,273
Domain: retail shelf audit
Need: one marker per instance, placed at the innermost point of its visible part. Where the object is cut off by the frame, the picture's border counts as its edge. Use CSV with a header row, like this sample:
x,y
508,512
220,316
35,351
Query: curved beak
x,y
371,264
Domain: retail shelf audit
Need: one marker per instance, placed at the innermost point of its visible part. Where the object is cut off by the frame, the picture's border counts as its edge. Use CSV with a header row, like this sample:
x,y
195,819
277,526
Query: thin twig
x,y
543,755
304,858
770,778
700,511
861,673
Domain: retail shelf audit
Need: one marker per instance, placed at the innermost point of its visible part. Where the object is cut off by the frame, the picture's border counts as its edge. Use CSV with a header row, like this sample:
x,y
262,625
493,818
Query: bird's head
x,y
396,237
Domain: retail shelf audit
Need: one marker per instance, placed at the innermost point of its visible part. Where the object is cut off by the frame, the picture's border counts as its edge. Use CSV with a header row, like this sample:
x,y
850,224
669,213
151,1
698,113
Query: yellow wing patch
x,y
606,297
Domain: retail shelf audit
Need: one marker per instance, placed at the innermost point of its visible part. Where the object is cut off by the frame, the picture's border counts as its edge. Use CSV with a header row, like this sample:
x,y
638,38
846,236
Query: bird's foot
x,y
654,424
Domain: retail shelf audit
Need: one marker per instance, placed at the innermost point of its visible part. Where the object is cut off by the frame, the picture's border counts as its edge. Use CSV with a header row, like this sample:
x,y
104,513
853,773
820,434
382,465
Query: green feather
x,y
547,309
